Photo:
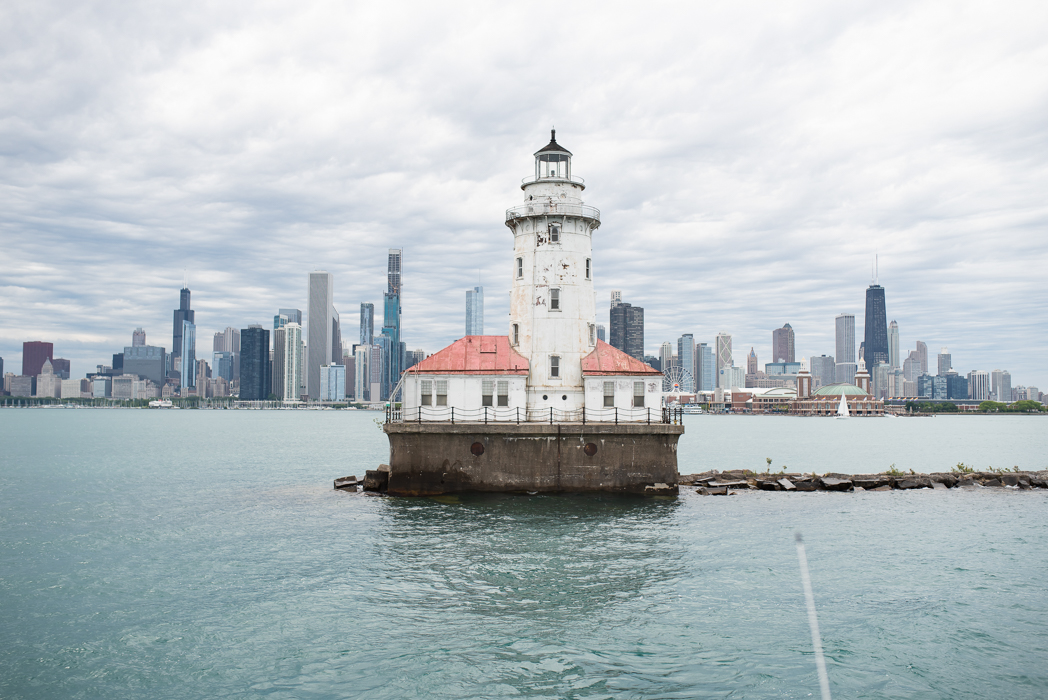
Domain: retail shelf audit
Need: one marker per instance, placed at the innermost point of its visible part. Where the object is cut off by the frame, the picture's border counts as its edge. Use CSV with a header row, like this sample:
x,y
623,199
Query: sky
x,y
749,161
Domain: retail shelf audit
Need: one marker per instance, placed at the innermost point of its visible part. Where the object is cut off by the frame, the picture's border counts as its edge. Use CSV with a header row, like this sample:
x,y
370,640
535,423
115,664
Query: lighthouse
x,y
552,305
547,407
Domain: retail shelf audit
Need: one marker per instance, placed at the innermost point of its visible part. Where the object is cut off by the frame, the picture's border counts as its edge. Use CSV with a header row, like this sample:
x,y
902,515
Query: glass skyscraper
x,y
875,343
475,311
187,351
182,314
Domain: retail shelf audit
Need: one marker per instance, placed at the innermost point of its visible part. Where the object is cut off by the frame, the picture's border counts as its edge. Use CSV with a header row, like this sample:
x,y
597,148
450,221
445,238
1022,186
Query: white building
x,y
731,377
48,383
291,354
333,383
551,363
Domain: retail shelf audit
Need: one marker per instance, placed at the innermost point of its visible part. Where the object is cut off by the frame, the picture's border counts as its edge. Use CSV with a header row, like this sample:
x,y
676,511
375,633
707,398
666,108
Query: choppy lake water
x,y
176,554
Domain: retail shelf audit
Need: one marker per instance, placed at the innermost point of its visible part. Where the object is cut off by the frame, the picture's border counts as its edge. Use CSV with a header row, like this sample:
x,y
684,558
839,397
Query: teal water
x,y
186,554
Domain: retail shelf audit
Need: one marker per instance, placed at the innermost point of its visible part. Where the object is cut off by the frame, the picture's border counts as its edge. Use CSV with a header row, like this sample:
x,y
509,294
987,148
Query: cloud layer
x,y
749,161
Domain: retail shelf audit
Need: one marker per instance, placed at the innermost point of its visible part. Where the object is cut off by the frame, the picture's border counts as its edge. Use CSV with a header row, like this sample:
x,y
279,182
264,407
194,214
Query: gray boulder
x,y
786,484
992,482
915,482
805,486
871,482
345,482
376,480
831,483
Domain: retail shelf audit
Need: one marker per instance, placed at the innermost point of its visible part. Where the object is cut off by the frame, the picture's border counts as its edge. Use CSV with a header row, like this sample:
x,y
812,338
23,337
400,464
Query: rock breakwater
x,y
714,483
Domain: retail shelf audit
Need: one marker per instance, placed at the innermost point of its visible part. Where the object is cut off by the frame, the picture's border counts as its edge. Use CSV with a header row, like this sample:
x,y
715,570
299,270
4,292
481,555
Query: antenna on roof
x,y
876,269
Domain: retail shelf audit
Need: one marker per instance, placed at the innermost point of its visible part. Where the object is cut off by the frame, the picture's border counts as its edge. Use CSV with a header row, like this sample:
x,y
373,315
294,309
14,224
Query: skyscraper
x,y
751,362
686,359
187,353
922,356
34,354
616,297
665,356
293,315
290,353
602,332
1001,386
846,367
782,344
824,370
978,385
138,338
724,358
182,314
876,329
945,362
322,322
367,324
391,318
705,368
627,329
893,345
255,371
475,311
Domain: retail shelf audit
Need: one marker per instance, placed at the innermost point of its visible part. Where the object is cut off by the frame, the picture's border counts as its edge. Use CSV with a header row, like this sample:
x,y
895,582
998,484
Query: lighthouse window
x,y
554,300
516,334
554,233
487,392
609,394
503,393
554,366
520,268
442,392
427,392
638,394
587,268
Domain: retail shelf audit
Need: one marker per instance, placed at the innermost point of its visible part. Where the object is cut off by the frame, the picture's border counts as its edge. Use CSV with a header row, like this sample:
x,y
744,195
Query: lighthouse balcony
x,y
547,208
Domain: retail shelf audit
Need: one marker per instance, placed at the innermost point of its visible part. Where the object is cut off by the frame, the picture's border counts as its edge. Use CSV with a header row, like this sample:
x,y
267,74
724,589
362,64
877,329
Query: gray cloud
x,y
749,161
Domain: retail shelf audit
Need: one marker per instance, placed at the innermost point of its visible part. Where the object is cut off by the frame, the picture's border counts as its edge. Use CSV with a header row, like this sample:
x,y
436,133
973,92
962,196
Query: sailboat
x,y
842,409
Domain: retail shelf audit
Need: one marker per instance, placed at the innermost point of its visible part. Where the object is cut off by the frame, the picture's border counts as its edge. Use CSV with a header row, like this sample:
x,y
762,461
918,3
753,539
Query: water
x,y
132,567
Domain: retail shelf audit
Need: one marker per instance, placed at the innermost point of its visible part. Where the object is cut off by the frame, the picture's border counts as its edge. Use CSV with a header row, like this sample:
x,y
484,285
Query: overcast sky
x,y
749,161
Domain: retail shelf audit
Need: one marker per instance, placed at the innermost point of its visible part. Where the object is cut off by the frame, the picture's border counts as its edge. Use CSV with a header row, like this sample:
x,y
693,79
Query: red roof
x,y
475,354
606,360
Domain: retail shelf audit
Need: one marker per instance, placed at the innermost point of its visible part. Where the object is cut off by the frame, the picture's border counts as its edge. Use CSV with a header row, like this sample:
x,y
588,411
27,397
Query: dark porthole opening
x,y
545,398
590,449
565,397
477,449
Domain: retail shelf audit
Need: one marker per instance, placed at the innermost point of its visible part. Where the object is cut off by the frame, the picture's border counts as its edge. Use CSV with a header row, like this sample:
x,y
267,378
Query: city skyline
x,y
898,151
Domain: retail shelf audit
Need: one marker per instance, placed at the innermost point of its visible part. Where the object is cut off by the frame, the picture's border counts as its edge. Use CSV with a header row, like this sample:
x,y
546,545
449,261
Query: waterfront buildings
x,y
288,362
875,344
393,346
367,324
686,360
978,385
34,354
823,370
706,370
922,355
182,315
333,383
228,341
782,344
627,328
187,355
751,362
846,366
47,384
475,311
893,345
665,357
293,315
146,361
1000,385
255,371
138,338
724,359
323,331
945,362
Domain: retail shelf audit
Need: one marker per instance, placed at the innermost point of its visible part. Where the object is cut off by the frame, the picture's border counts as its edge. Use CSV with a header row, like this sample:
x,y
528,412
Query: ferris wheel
x,y
676,380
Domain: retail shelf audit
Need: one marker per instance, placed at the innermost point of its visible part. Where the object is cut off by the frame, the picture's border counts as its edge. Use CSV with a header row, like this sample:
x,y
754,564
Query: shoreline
x,y
714,483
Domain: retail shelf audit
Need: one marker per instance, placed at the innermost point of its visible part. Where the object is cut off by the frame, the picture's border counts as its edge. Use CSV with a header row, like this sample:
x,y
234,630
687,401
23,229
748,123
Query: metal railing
x,y
528,179
501,414
553,209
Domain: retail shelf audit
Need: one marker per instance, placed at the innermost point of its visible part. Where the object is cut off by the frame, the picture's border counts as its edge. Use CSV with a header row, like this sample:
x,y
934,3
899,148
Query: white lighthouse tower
x,y
552,304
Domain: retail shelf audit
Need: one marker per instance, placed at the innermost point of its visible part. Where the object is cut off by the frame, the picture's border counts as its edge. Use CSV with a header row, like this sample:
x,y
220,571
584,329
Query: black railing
x,y
502,414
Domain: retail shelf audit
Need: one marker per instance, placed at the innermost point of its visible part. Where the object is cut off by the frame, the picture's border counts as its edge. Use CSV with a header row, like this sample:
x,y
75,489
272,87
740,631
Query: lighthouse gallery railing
x,y
496,414
545,208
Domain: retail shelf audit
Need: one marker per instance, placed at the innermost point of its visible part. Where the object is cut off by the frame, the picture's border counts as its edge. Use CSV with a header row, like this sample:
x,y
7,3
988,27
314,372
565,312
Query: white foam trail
x,y
813,621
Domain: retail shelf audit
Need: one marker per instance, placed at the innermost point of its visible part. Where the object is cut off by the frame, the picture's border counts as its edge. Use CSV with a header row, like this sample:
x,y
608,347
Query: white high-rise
x,y
845,343
893,345
475,311
322,323
978,385
291,352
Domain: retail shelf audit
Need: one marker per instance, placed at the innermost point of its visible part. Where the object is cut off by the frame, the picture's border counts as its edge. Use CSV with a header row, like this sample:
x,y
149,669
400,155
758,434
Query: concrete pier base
x,y
437,458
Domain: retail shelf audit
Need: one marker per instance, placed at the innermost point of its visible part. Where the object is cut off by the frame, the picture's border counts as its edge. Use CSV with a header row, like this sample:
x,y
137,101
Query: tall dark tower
x,y
875,344
182,313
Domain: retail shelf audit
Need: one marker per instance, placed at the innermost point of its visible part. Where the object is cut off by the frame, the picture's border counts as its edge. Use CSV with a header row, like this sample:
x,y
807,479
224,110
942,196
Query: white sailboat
x,y
842,408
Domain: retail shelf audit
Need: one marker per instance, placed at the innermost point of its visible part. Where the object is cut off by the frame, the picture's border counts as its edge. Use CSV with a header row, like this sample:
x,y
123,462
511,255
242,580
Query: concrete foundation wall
x,y
430,459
